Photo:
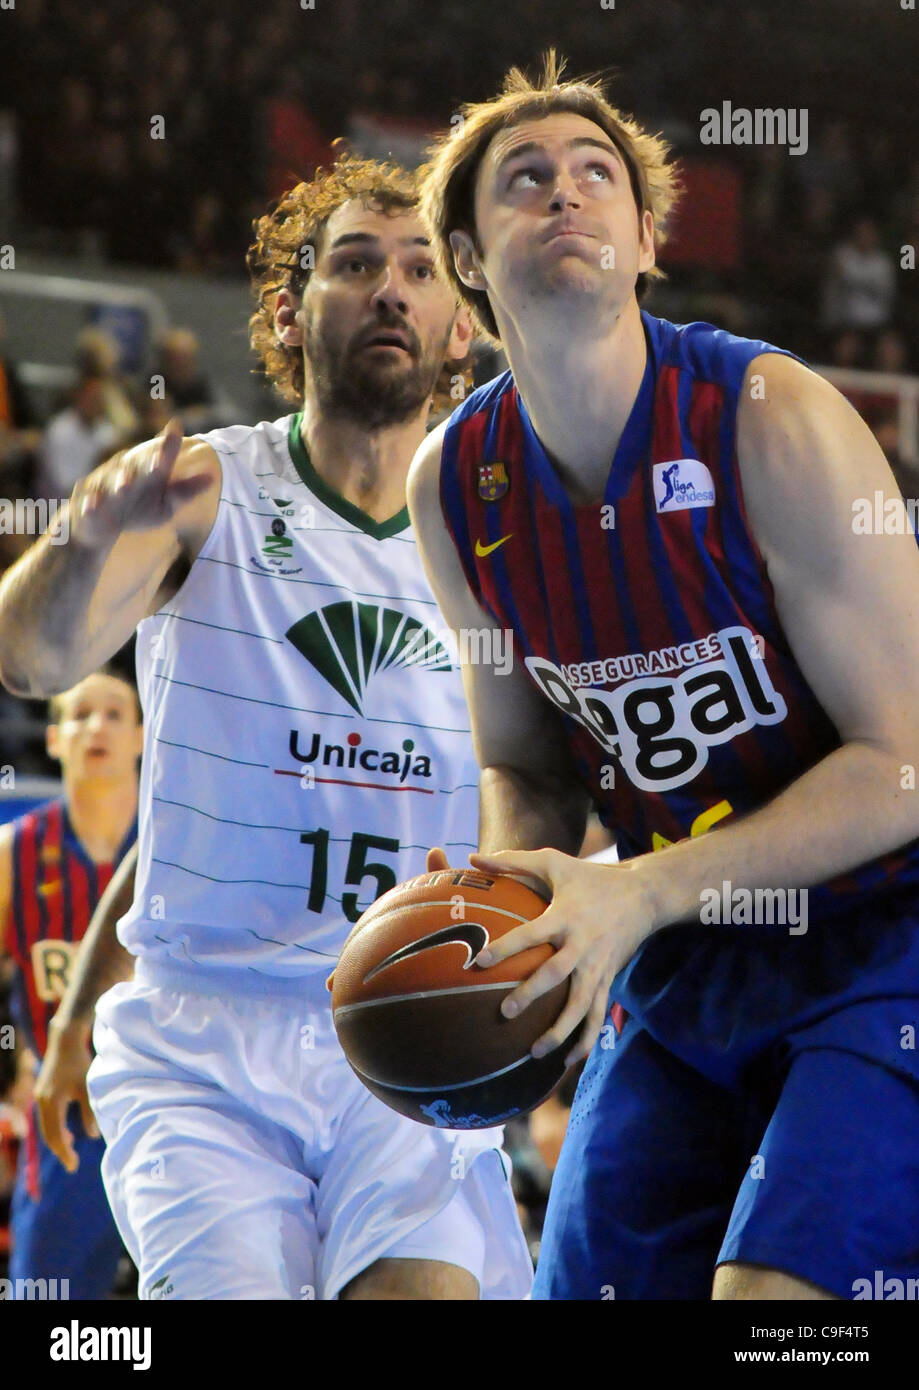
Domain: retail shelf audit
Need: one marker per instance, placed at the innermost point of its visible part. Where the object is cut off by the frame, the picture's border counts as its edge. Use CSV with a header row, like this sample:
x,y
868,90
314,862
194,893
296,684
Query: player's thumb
x,y
533,866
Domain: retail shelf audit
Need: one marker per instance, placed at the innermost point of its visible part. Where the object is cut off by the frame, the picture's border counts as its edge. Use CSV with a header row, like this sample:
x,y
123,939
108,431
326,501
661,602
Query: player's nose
x,y
391,292
565,193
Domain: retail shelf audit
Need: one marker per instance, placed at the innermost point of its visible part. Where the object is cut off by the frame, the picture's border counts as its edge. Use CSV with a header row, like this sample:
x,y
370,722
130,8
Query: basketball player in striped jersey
x,y
308,740
55,863
663,515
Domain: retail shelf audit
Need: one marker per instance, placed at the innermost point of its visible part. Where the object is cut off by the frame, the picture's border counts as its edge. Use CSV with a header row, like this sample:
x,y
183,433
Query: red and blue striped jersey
x,y
55,889
648,618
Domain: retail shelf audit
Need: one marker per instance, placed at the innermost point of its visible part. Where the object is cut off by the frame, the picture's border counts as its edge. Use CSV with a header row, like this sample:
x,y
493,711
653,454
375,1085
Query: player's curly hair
x,y
447,181
287,243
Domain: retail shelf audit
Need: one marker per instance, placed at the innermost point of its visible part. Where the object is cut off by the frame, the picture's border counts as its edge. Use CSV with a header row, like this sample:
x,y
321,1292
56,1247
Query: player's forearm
x,y
521,811
101,961
849,808
44,613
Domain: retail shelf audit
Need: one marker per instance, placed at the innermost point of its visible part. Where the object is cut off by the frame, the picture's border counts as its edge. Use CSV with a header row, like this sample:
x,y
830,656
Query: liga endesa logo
x,y
682,483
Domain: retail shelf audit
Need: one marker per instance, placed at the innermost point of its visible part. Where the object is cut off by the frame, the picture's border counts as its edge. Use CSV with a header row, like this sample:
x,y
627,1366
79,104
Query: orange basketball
x,y
421,1025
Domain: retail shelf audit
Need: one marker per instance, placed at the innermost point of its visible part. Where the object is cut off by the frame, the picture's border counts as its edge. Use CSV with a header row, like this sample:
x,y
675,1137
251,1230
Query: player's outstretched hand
x,y
595,921
62,1079
134,491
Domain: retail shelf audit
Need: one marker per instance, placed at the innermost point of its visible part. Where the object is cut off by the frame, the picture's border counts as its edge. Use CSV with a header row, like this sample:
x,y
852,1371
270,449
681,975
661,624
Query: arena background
x,y
122,251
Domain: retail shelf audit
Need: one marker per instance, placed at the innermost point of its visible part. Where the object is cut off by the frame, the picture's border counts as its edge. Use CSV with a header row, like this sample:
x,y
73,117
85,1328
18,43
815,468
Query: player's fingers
x,y
436,860
554,972
169,442
578,1004
51,1113
591,1030
535,933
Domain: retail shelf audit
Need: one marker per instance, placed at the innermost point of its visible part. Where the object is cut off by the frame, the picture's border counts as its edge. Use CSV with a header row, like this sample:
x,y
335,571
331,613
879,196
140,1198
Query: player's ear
x,y
52,741
647,257
466,260
461,336
286,327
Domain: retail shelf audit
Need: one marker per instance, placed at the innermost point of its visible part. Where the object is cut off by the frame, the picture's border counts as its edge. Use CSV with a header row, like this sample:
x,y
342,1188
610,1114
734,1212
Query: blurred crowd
x,y
155,134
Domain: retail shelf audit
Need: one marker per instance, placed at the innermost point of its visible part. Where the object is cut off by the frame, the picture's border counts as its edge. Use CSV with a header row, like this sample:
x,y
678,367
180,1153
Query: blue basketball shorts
x,y
60,1223
811,1167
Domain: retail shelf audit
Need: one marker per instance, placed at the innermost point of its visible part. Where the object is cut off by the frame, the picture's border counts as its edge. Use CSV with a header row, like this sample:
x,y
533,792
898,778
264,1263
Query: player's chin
x,y
576,273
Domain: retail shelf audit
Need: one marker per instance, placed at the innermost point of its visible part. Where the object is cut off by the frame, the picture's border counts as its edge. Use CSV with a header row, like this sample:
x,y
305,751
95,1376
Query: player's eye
x,y
602,170
425,270
520,174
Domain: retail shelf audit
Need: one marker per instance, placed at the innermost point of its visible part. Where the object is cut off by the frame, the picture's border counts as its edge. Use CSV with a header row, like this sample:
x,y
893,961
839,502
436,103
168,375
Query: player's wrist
x,y
658,890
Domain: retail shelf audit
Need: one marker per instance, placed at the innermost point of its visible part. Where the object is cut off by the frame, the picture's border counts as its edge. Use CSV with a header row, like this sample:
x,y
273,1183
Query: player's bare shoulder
x,y
423,483
804,452
782,400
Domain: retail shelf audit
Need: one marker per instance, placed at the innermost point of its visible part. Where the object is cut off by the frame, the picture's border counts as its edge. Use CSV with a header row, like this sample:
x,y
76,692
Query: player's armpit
x,y
517,735
847,597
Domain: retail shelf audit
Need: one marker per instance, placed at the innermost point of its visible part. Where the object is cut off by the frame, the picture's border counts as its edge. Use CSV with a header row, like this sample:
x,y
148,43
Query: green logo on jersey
x,y
349,641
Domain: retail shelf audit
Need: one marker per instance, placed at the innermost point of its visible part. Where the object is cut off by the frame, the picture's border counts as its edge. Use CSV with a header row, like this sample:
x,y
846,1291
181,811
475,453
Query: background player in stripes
x,y
308,741
55,863
723,652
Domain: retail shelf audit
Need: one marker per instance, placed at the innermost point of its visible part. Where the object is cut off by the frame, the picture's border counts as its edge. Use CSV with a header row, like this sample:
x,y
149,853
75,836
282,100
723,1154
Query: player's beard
x,y
355,385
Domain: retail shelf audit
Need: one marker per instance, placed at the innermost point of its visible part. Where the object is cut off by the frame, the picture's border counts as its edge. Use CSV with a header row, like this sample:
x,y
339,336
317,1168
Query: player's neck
x,y
368,468
101,813
579,388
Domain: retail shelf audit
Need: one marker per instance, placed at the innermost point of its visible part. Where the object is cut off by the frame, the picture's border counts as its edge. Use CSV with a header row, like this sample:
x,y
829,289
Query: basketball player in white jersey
x,y
307,741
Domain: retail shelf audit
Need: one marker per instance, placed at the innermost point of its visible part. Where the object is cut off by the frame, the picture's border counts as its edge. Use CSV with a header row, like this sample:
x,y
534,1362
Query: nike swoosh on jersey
x,y
481,549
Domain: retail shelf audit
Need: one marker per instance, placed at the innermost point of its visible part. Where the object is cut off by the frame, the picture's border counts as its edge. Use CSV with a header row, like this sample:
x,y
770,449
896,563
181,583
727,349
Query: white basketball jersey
x,y
307,738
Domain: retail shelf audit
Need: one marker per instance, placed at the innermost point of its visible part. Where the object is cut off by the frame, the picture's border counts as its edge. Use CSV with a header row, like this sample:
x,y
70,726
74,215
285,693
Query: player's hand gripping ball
x,y
421,1024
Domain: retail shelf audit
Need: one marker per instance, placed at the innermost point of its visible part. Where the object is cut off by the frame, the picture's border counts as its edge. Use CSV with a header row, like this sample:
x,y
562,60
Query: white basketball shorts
x,y
245,1160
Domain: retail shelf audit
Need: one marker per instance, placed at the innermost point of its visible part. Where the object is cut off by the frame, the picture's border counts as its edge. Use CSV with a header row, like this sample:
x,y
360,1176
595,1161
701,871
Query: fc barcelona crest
x,y
493,481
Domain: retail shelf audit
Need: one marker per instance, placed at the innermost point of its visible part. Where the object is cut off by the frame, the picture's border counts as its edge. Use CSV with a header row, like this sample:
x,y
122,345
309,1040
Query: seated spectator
x,y
193,396
859,289
76,439
97,354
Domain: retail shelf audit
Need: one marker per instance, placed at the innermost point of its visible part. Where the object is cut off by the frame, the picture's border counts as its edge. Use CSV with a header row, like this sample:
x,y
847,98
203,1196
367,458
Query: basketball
x,y
421,1025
